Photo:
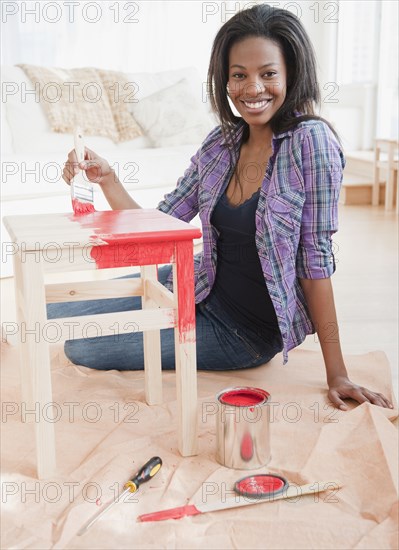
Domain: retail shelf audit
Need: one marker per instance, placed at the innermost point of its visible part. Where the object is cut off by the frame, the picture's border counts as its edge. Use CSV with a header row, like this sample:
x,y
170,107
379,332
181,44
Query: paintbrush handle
x,y
79,144
292,491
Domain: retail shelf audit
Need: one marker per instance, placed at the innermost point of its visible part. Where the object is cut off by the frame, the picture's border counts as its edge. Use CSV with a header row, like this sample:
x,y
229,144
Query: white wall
x,y
131,36
158,35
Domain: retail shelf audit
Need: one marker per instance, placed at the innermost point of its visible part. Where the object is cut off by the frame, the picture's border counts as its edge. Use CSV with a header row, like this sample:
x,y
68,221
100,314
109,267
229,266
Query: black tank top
x,y
239,284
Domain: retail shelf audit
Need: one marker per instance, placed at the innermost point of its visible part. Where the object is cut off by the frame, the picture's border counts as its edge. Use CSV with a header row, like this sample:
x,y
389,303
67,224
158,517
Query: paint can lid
x,y
261,486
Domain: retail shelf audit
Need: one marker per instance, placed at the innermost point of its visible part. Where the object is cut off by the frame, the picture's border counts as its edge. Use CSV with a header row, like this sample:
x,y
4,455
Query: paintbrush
x,y
235,501
81,189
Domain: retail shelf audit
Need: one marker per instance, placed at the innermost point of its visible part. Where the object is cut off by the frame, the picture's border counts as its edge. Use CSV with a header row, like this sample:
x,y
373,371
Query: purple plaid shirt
x,y
295,218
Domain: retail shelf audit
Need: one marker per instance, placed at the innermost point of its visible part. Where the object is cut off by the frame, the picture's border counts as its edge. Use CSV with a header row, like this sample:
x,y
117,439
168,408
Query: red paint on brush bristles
x,y
80,207
244,397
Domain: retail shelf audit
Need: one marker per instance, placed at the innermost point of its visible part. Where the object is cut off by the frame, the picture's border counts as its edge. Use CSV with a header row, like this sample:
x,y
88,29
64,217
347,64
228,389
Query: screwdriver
x,y
145,473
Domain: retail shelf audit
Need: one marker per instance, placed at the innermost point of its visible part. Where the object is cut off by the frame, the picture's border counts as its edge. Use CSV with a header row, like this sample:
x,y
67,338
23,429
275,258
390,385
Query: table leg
x,y
26,383
35,357
185,349
375,193
152,347
389,190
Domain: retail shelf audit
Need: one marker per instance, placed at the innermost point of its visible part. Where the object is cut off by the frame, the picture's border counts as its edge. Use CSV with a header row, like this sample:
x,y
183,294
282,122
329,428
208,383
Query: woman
x,y
266,186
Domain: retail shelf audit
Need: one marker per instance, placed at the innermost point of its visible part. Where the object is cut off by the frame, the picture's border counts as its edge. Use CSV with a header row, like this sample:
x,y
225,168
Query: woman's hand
x,y
97,169
342,388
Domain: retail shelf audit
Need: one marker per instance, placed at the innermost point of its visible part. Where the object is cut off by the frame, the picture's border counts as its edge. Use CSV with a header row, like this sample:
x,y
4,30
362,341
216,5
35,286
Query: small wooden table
x,y
59,243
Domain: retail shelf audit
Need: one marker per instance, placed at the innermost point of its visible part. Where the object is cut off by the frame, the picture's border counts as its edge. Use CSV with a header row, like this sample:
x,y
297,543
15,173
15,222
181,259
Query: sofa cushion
x,y
6,135
40,174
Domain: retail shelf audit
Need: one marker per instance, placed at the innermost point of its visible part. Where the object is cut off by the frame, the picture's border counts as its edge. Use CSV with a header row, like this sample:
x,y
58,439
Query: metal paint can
x,y
243,428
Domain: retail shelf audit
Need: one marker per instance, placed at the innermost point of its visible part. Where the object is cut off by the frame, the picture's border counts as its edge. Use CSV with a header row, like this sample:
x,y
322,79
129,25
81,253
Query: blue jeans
x,y
221,344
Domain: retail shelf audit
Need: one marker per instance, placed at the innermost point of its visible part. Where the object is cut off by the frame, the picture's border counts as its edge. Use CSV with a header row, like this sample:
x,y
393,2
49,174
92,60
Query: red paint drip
x,y
80,207
244,397
247,447
260,485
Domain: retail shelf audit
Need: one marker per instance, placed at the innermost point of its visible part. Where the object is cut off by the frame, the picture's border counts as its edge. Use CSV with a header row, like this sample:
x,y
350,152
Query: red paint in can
x,y
244,397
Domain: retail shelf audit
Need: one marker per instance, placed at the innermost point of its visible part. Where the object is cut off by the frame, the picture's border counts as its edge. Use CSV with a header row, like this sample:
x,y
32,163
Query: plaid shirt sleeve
x,y
322,166
182,202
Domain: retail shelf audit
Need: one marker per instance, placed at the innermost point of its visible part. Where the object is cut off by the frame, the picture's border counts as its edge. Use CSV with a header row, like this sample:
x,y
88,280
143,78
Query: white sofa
x,y
33,156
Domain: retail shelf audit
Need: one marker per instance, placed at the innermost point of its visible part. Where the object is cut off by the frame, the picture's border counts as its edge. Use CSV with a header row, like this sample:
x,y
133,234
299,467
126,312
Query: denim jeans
x,y
221,344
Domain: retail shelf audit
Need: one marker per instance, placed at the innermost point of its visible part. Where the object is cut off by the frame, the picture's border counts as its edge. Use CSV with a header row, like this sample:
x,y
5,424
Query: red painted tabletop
x,y
110,226
138,224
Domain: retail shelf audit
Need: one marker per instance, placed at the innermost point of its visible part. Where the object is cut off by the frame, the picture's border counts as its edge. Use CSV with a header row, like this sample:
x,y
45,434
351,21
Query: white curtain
x,y
368,56
387,78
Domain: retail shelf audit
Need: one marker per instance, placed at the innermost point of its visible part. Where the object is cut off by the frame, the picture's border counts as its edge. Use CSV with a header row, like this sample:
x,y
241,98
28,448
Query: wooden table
x,y
59,243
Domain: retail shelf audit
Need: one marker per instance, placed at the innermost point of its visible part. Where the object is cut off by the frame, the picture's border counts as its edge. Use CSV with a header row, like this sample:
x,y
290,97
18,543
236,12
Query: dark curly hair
x,y
286,30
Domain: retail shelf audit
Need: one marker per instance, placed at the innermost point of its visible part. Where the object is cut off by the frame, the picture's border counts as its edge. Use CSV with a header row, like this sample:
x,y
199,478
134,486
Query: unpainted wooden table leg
x,y
389,187
185,349
25,374
152,347
375,194
35,351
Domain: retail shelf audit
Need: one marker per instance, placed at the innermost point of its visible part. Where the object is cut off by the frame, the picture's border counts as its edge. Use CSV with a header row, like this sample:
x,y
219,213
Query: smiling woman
x,y
256,88
265,185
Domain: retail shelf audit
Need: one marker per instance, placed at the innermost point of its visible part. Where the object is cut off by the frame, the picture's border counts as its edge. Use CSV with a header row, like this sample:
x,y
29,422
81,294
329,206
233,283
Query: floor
x,y
365,284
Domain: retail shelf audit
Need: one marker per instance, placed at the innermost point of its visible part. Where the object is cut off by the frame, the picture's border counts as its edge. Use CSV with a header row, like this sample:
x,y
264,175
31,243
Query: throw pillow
x,y
173,116
73,96
121,94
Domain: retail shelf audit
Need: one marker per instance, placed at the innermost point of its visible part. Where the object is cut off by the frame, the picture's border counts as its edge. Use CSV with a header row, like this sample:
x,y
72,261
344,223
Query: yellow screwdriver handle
x,y
145,473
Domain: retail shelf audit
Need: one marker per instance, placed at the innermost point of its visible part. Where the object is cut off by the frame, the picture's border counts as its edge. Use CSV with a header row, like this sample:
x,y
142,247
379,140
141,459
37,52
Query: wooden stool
x,y
57,243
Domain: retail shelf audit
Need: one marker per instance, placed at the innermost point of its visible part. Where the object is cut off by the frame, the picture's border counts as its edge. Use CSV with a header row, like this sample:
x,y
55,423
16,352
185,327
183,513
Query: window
x,y
358,38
